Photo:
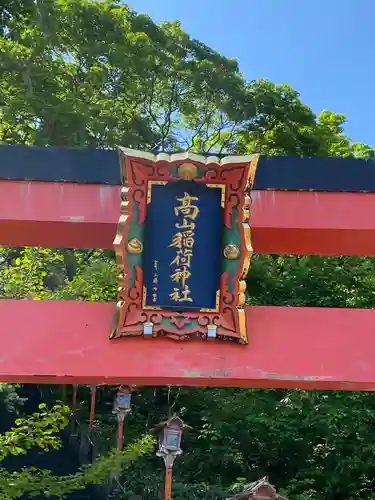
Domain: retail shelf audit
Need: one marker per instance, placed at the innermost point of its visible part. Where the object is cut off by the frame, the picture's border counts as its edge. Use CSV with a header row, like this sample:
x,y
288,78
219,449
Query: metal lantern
x,y
172,438
122,402
170,435
259,490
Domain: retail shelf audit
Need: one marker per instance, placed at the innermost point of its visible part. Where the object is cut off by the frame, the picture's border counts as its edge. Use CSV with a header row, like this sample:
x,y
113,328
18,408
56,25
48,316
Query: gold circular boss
x,y
134,246
187,171
231,252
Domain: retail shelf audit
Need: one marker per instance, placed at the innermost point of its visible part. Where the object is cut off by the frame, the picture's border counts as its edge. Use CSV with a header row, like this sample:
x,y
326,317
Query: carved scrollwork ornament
x,y
141,172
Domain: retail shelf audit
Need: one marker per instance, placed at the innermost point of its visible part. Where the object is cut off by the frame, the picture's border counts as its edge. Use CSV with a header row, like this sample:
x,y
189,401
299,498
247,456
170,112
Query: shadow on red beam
x,y
85,216
67,342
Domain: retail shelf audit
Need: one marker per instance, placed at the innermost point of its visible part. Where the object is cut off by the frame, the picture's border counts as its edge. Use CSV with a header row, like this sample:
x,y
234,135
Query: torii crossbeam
x,y
70,198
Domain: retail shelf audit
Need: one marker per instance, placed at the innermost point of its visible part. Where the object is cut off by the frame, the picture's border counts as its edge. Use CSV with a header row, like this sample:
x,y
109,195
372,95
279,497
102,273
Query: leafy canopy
x,y
97,74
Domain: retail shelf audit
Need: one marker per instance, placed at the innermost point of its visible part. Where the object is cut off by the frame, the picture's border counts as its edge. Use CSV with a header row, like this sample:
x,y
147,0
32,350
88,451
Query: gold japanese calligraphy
x,y
155,282
186,211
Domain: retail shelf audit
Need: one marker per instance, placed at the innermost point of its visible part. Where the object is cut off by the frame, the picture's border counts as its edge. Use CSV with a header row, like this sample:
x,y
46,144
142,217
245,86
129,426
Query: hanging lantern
x,y
170,433
122,402
259,490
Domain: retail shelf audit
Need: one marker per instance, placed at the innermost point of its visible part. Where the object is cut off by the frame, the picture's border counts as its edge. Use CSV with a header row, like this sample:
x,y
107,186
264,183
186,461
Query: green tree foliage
x,y
45,273
312,281
86,73
38,430
283,125
96,74
41,430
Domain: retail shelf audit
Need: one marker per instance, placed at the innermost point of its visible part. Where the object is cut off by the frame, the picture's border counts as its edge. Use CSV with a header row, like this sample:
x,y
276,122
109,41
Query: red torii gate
x,y
71,198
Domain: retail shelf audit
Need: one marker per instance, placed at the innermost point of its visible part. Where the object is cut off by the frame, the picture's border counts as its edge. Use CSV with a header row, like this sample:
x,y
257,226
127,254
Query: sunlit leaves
x,y
98,74
38,429
42,482
44,273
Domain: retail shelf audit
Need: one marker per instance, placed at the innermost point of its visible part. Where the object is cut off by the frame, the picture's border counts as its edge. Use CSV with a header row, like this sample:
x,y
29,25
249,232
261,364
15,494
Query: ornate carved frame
x,y
235,176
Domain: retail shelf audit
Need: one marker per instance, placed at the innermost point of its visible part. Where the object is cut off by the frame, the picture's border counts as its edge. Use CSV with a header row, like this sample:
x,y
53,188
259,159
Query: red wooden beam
x,y
67,342
86,215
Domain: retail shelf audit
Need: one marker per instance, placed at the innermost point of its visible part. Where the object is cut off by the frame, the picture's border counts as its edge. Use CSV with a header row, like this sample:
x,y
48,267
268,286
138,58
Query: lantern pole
x,y
168,461
120,431
92,408
168,484
74,408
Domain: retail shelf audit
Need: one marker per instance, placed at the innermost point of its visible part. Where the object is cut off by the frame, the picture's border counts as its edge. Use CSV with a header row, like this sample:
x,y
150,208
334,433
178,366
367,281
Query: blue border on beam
x,y
99,166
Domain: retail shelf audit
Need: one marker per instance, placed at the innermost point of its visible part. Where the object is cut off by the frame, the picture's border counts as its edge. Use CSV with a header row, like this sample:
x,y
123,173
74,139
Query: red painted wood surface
x,y
67,342
84,215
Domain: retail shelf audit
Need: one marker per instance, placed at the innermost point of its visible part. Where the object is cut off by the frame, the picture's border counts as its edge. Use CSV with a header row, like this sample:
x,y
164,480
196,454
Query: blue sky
x,y
325,49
